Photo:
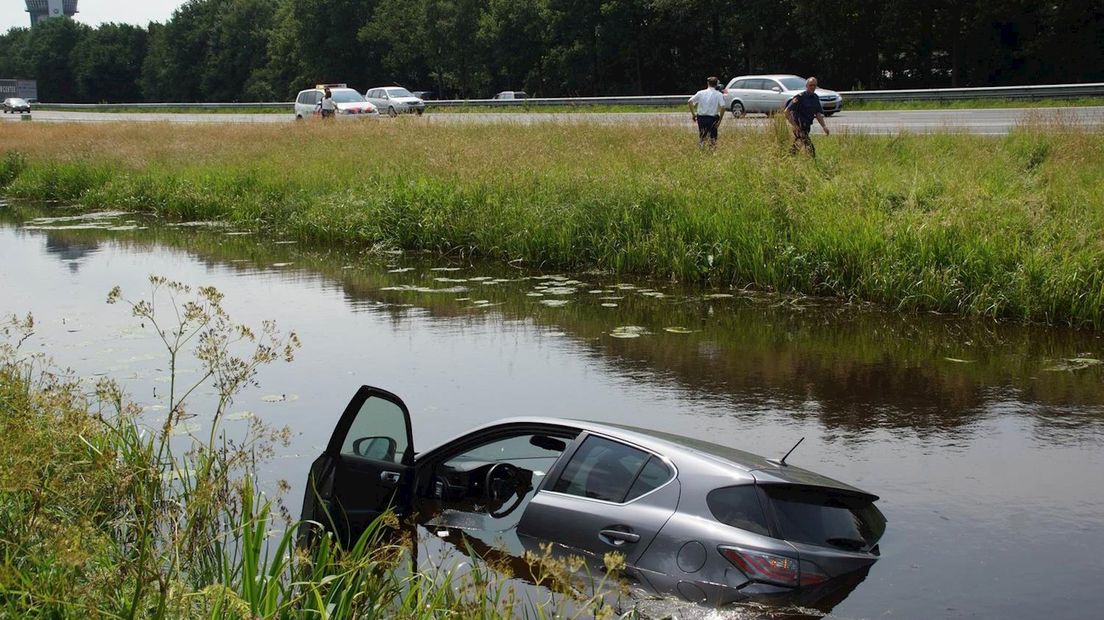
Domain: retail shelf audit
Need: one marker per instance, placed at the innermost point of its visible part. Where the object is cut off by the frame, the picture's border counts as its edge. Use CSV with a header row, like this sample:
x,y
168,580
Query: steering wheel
x,y
502,481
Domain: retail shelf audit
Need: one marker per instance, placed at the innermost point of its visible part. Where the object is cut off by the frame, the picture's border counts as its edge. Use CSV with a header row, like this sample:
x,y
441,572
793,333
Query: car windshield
x,y
346,95
399,92
826,518
18,101
792,83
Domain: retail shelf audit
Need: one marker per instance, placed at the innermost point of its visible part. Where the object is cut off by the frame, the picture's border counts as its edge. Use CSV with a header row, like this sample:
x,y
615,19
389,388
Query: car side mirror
x,y
776,89
376,448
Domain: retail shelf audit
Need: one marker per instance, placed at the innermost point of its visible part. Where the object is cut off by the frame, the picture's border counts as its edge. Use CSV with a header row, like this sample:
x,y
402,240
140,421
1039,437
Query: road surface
x,y
982,121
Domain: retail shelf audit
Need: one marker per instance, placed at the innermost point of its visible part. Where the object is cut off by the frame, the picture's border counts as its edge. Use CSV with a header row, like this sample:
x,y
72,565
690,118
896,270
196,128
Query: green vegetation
x,y
1008,227
107,514
267,50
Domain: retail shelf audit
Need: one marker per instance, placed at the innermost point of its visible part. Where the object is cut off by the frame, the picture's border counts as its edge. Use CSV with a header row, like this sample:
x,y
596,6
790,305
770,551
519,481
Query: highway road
x,y
982,121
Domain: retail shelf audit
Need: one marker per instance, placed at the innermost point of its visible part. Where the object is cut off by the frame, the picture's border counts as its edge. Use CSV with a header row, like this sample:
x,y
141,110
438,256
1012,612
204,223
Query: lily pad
x,y
1071,364
629,331
555,303
678,330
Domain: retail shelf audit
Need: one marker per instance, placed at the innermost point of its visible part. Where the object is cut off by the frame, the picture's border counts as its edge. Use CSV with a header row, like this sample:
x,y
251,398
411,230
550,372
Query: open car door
x,y
367,467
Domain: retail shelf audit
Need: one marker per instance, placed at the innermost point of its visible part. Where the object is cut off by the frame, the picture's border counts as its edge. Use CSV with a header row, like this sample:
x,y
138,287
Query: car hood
x,y
408,100
356,105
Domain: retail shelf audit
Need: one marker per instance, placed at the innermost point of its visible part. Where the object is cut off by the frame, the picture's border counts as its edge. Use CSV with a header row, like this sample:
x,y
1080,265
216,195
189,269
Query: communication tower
x,y
45,9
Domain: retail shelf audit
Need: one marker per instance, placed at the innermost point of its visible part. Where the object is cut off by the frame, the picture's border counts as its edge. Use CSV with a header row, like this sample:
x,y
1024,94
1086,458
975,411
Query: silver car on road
x,y
769,93
395,100
705,522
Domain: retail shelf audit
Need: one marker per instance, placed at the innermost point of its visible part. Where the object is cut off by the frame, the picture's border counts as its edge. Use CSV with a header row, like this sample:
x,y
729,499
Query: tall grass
x,y
998,227
103,515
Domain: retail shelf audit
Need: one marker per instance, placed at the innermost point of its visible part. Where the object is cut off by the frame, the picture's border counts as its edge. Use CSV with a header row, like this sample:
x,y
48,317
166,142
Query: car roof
x,y
698,455
773,76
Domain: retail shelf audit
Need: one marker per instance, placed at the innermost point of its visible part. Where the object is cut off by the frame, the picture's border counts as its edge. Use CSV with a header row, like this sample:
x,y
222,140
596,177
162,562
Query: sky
x,y
95,12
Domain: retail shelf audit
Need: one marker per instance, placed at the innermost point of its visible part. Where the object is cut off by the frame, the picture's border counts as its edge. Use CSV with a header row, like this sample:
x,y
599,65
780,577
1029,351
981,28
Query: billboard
x,y
24,89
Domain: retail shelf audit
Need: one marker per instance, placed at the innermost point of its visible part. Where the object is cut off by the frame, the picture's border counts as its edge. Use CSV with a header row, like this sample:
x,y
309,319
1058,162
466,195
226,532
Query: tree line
x,y
267,50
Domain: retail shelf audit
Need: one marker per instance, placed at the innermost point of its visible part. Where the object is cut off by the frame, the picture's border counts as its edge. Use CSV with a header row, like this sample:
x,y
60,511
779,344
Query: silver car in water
x,y
769,93
709,523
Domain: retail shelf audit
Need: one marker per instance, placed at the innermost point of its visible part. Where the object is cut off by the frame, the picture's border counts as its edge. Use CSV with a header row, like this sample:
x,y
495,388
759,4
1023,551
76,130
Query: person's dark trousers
x,y
707,128
801,138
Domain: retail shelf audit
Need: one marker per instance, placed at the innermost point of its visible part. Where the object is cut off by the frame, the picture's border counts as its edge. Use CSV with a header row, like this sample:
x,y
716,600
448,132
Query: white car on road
x,y
769,93
349,103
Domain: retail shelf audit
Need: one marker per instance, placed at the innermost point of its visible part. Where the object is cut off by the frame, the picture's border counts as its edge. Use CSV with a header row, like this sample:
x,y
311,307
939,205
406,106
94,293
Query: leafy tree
x,y
13,54
107,63
48,49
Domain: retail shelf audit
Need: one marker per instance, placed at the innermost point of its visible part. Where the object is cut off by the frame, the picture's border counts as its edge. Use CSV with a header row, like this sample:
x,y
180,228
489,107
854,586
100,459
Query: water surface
x,y
985,441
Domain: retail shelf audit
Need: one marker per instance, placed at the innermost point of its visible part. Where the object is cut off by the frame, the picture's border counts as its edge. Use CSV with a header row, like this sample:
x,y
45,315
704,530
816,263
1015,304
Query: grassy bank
x,y
1000,227
105,513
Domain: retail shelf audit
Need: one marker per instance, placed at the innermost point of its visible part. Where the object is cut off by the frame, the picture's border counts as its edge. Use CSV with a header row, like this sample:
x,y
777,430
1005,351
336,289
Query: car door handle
x,y
620,536
390,477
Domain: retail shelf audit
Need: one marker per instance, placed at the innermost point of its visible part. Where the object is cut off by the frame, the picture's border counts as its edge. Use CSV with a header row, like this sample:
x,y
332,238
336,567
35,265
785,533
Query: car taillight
x,y
776,569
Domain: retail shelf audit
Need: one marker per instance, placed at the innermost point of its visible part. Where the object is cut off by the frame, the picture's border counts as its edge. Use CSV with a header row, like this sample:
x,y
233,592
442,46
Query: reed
x,y
1005,227
104,514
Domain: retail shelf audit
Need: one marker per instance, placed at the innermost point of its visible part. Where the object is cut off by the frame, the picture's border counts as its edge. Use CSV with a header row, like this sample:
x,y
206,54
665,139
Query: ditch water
x,y
984,441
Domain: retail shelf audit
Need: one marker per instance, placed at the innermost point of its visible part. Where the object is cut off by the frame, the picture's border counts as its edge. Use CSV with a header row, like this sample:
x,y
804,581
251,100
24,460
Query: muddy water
x,y
985,441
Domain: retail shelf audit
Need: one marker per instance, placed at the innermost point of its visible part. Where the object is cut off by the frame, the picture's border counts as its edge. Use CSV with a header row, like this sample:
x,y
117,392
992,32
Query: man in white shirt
x,y
707,107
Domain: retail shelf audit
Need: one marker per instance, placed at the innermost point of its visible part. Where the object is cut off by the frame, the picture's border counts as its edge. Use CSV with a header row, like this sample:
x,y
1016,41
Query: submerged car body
x,y
769,93
708,523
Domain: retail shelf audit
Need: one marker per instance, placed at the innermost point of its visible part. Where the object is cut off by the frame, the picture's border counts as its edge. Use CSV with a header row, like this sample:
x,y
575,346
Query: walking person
x,y
707,107
328,105
800,112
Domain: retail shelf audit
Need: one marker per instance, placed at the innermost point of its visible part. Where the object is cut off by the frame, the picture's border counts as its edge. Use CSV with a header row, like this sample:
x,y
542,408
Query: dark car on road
x,y
13,105
709,523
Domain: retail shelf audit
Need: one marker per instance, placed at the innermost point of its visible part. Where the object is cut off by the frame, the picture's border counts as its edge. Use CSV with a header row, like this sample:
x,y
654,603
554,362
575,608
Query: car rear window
x,y
826,518
739,507
611,471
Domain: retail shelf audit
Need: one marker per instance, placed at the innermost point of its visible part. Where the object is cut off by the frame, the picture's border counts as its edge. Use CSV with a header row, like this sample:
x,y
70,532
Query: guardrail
x,y
107,107
1051,91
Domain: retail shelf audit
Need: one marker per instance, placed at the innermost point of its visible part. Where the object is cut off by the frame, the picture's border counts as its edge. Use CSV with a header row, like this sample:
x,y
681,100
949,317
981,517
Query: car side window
x,y
606,470
378,432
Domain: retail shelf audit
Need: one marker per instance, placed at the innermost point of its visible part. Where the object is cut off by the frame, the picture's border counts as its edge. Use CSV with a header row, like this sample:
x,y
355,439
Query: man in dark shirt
x,y
801,109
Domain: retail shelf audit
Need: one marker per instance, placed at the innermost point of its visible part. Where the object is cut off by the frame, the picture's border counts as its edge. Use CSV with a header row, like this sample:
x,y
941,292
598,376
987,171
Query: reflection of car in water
x,y
706,522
